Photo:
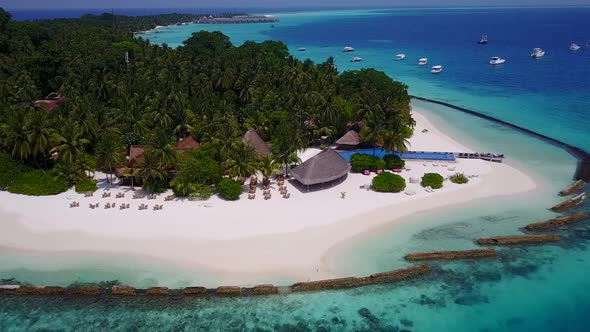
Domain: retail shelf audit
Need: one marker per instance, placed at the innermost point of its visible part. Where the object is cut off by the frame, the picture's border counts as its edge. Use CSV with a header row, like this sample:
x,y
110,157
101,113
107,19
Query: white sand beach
x,y
250,241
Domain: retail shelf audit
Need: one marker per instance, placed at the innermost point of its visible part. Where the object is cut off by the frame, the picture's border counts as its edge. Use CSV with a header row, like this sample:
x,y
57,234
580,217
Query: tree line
x,y
208,89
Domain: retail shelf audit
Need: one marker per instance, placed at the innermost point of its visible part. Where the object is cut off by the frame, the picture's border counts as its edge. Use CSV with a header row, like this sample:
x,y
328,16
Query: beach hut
x,y
252,138
350,140
326,166
136,155
50,102
185,144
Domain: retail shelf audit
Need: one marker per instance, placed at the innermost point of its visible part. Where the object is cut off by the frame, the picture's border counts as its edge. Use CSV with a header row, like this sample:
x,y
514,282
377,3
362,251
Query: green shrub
x,y
433,180
393,161
459,178
10,169
202,193
389,182
38,183
153,185
229,189
362,161
85,185
198,167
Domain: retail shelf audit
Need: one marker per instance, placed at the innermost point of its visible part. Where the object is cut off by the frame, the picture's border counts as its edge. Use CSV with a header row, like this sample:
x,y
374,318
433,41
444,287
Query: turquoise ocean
x,y
528,288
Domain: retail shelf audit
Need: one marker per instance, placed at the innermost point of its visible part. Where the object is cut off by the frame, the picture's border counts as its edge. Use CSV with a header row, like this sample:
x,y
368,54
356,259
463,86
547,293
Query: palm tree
x,y
394,140
241,162
109,154
39,134
163,150
151,174
129,172
373,131
183,186
267,167
15,131
287,139
70,142
69,170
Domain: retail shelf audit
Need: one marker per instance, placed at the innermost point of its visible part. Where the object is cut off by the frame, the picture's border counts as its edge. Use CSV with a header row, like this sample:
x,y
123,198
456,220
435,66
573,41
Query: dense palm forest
x,y
207,89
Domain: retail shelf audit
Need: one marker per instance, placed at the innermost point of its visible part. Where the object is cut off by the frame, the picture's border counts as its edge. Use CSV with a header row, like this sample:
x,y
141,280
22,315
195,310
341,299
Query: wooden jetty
x,y
451,255
570,203
573,188
518,239
557,222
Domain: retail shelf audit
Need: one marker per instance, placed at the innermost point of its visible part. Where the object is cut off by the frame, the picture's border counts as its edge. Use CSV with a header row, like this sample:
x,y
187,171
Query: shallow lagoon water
x,y
541,288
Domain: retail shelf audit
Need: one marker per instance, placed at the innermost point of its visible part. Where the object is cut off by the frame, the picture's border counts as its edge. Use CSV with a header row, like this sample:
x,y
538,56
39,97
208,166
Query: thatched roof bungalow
x,y
50,102
349,140
326,166
254,140
185,144
136,152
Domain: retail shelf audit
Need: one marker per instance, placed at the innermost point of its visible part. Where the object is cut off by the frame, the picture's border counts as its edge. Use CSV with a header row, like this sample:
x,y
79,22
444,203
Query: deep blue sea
x,y
529,288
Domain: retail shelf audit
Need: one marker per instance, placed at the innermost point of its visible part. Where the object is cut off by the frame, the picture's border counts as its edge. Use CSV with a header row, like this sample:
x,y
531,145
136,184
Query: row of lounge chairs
x,y
106,194
138,196
74,204
379,171
435,164
480,155
89,194
168,198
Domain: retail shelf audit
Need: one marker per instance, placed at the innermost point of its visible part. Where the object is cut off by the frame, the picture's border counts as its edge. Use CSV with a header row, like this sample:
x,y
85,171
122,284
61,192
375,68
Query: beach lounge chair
x,y
409,192
367,172
286,196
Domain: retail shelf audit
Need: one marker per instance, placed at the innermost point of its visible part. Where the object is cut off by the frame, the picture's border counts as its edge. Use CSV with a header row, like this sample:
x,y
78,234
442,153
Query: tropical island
x,y
209,154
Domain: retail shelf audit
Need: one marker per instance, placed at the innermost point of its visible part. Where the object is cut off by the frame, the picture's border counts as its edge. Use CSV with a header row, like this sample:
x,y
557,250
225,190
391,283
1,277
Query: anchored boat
x,y
436,69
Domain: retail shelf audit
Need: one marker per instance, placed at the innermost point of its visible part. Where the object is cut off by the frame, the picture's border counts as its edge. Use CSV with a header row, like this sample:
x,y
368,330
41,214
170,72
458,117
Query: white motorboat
x,y
422,62
496,60
356,59
574,47
537,53
301,49
483,40
436,69
400,56
348,49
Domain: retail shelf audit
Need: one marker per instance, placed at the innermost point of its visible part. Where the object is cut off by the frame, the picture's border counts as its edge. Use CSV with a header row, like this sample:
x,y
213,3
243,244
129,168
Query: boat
x,y
483,40
356,59
496,60
301,49
537,53
348,49
436,69
422,62
574,47
400,56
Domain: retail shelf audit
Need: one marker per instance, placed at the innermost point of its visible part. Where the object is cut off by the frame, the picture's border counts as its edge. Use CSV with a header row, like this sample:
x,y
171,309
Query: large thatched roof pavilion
x,y
252,138
326,166
349,140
